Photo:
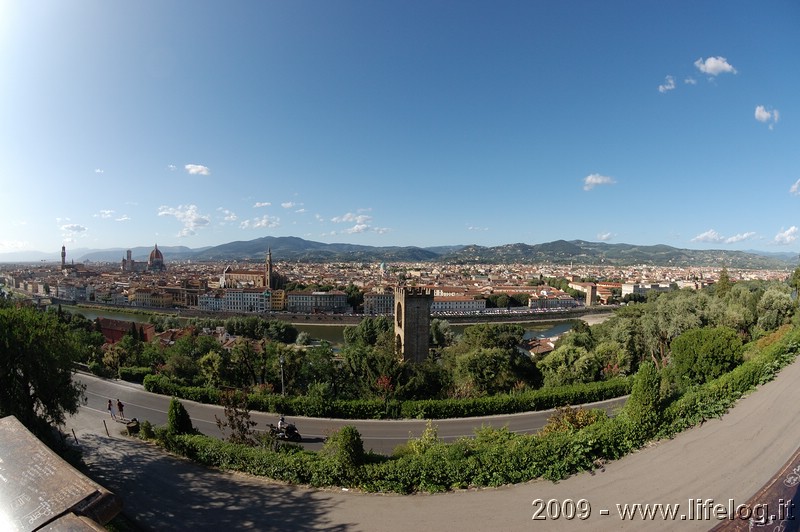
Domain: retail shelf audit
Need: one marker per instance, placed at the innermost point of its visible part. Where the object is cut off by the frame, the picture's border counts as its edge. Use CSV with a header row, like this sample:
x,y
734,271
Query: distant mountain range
x,y
557,252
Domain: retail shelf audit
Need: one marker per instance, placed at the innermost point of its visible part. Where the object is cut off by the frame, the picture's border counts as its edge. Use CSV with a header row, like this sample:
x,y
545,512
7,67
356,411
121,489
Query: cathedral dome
x,y
156,255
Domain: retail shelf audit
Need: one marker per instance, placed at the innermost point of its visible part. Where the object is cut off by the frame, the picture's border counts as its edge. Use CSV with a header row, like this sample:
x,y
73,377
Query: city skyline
x,y
415,124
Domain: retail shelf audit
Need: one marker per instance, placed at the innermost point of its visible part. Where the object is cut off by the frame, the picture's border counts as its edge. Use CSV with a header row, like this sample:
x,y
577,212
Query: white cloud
x,y
350,217
300,211
172,167
740,237
714,237
591,181
795,189
73,228
709,236
98,171
787,237
227,215
104,213
475,228
690,81
263,222
123,218
290,204
188,215
13,245
668,85
197,169
714,66
259,204
604,237
765,115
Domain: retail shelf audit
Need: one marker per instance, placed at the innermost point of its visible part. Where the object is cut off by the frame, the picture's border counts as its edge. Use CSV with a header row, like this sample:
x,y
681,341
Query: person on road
x,y
120,406
111,410
281,423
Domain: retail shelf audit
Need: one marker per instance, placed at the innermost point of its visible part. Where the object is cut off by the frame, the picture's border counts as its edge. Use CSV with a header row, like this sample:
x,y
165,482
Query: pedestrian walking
x,y
111,410
120,406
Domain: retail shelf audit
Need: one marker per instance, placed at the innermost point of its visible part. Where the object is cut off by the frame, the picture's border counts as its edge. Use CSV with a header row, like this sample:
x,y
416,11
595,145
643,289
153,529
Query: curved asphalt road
x,y
379,435
725,459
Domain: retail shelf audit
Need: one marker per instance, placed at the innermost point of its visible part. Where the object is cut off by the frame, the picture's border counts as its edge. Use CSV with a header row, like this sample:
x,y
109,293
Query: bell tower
x,y
412,322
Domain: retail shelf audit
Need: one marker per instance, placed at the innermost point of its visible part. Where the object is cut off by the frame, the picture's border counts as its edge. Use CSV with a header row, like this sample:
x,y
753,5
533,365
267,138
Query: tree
x,y
774,307
487,371
569,364
37,352
723,285
700,355
794,282
237,419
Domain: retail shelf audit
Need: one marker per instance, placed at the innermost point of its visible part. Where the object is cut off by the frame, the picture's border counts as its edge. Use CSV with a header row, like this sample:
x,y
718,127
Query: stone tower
x,y
268,272
412,322
63,257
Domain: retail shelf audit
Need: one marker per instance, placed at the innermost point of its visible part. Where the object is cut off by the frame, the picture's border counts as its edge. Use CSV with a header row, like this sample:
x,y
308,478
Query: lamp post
x,y
283,390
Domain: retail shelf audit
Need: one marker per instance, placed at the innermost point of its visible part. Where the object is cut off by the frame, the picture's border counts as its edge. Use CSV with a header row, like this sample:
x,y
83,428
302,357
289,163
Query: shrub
x,y
146,431
644,405
345,450
134,374
178,420
700,355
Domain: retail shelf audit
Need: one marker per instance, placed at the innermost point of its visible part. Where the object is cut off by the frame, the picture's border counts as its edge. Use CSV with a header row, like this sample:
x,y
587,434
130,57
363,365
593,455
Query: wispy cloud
x,y
171,167
604,237
708,236
99,171
260,204
713,66
765,115
104,213
123,218
362,224
593,180
350,217
188,215
795,189
197,169
690,81
290,204
668,85
786,237
476,228
259,223
741,237
13,245
712,236
228,216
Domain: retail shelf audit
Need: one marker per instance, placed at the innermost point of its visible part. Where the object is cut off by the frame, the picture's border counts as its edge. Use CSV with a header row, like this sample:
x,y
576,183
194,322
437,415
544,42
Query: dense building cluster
x,y
244,288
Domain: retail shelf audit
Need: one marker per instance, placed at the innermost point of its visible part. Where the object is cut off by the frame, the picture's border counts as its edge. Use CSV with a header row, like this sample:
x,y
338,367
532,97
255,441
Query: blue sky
x,y
407,123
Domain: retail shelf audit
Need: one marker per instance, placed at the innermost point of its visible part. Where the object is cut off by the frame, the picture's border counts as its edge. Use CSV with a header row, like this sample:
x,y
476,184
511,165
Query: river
x,y
331,333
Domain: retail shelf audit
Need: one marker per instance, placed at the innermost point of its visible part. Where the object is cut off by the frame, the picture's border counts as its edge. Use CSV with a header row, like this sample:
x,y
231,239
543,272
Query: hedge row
x,y
541,399
134,374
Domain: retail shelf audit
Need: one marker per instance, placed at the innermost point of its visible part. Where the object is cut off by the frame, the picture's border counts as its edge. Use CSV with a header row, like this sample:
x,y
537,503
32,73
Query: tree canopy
x,y
37,352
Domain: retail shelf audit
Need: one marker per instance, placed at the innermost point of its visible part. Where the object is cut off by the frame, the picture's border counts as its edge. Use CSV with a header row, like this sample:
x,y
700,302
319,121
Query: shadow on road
x,y
165,492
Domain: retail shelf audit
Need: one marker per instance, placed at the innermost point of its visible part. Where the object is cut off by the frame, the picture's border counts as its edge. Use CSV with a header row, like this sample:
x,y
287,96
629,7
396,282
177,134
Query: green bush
x,y
134,374
700,355
146,431
178,420
643,407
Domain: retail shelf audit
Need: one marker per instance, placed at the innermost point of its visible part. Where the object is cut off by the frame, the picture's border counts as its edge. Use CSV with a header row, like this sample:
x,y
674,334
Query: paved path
x,y
727,459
